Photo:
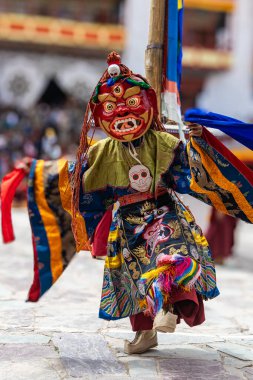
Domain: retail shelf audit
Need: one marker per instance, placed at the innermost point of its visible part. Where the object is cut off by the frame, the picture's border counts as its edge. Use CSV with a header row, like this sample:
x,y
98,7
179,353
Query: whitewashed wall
x,y
24,76
137,23
231,92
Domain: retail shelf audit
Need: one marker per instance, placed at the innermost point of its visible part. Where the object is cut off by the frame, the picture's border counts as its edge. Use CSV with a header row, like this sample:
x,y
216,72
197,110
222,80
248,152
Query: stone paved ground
x,y
61,337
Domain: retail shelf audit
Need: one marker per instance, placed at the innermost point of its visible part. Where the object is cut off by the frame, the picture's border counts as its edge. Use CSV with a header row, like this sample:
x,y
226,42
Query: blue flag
x,y
238,130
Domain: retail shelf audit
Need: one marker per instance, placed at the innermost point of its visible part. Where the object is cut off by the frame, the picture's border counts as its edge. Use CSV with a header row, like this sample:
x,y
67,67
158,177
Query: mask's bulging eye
x,y
135,177
109,106
133,102
118,91
144,174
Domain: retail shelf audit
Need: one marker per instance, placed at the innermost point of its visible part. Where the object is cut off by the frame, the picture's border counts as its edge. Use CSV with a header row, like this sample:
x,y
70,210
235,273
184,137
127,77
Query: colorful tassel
x,y
172,270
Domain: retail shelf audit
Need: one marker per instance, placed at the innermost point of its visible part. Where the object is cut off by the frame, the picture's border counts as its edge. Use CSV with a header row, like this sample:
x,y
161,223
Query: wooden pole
x,y
154,51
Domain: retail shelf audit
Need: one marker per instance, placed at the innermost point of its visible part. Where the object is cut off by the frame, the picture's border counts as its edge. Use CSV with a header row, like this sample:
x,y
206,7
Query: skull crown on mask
x,y
114,70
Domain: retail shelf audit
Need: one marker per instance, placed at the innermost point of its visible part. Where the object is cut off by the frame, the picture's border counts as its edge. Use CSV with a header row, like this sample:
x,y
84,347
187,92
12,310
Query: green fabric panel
x,y
164,145
109,161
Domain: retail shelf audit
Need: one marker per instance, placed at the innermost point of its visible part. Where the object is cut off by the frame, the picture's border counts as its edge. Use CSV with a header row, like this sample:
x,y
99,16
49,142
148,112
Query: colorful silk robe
x,y
147,235
143,229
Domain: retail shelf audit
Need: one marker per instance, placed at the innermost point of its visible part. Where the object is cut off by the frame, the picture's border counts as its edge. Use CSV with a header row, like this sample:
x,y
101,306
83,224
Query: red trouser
x,y
141,322
99,244
187,305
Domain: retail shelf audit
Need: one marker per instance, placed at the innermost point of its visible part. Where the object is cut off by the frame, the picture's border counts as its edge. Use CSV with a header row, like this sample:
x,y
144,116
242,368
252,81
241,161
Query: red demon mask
x,y
124,109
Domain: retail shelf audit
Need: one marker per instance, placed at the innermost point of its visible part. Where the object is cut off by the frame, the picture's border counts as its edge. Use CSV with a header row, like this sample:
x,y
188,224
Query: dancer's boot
x,y
143,341
165,322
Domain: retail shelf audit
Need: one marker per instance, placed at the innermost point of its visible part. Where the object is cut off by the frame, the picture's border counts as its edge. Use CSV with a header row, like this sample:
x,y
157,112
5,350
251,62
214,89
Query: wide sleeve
x,y
50,211
93,204
49,195
178,175
220,177
179,172
49,199
208,171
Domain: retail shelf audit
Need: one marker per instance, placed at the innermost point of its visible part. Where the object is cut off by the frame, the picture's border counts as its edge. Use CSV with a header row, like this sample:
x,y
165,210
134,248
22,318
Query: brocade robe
x,y
146,229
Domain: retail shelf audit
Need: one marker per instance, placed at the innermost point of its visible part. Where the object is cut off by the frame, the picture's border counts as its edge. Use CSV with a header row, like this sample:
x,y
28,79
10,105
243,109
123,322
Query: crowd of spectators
x,y
42,132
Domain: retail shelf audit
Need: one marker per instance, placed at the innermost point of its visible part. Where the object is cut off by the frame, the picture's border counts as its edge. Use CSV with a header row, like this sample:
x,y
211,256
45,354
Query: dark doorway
x,y
53,94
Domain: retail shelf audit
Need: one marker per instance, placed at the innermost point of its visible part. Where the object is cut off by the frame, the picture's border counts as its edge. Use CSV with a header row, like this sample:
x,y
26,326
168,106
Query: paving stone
x,y
140,367
23,339
169,351
28,370
236,350
179,338
69,322
246,340
5,292
87,355
175,339
105,377
18,352
248,373
183,352
230,361
185,369
14,304
16,319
